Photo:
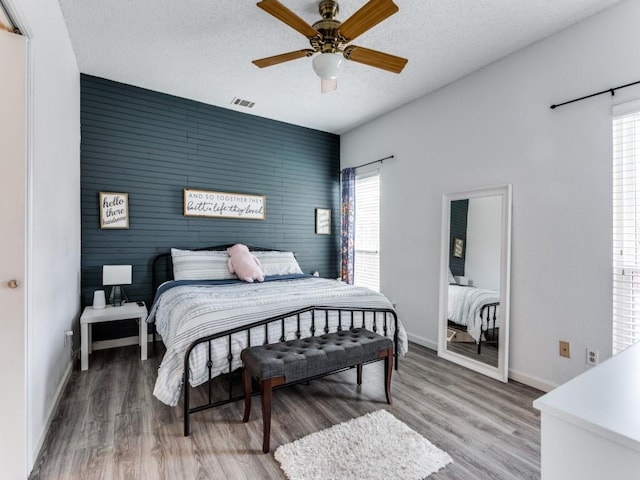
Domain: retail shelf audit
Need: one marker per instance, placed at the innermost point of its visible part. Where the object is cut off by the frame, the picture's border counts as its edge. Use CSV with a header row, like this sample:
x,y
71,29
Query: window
x,y
367,234
626,226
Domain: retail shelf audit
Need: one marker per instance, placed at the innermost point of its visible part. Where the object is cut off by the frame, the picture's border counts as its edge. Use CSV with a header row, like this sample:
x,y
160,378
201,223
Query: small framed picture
x,y
323,221
114,210
458,247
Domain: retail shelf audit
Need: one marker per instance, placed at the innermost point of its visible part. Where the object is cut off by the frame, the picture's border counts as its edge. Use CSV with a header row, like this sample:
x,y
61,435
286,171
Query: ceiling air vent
x,y
243,103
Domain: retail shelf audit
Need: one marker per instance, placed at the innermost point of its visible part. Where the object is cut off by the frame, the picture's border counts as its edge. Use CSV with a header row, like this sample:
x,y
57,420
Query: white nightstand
x,y
109,314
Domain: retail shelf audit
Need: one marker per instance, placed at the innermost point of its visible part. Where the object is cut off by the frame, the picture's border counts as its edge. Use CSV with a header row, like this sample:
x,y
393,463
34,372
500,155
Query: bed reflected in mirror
x,y
474,310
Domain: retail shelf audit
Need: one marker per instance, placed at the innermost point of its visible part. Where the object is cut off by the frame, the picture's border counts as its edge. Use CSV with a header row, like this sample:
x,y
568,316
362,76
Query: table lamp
x,y
116,275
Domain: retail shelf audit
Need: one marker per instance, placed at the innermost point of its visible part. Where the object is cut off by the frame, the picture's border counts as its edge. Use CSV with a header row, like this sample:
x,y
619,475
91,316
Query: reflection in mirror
x,y
474,295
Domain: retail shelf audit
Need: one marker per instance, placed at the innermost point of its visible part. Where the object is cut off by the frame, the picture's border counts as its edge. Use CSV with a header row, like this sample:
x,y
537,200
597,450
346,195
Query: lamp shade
x,y
327,65
116,274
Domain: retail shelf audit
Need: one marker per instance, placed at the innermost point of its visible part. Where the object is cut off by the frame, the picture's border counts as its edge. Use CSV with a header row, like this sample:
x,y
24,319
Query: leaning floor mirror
x,y
474,280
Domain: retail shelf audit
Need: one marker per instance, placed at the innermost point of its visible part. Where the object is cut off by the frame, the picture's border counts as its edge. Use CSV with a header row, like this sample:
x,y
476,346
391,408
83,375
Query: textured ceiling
x,y
202,50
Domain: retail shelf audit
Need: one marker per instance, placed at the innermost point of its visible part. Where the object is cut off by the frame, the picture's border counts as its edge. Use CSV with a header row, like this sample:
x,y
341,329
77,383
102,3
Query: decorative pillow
x,y
200,265
452,279
278,263
244,264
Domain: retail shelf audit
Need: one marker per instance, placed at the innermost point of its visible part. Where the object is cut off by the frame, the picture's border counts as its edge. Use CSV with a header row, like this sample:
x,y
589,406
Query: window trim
x,y
364,174
625,242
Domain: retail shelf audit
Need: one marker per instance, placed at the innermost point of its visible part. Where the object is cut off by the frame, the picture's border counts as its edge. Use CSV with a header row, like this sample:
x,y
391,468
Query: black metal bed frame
x,y
289,319
288,323
490,312
162,266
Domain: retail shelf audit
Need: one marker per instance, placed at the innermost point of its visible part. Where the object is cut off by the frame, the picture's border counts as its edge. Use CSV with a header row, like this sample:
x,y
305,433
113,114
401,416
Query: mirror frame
x,y
501,372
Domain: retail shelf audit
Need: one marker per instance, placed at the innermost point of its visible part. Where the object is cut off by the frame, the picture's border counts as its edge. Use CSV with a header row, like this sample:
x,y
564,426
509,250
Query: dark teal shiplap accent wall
x,y
152,146
458,229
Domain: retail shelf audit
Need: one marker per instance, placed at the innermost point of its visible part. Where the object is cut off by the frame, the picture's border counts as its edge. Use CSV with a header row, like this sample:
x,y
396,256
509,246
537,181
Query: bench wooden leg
x,y
359,369
246,385
388,369
266,389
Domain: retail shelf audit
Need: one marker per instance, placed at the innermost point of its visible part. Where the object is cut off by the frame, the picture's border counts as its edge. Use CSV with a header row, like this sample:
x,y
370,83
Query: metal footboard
x,y
382,321
490,313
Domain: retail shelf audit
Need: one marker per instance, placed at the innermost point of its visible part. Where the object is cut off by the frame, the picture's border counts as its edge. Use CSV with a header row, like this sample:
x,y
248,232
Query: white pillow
x,y
278,263
200,265
452,279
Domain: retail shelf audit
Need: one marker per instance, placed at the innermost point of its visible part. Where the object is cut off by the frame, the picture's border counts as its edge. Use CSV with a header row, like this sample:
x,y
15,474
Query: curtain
x,y
348,216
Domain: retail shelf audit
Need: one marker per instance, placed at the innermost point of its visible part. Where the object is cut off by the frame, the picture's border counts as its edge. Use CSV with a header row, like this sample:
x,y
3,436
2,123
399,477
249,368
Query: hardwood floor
x,y
488,353
109,425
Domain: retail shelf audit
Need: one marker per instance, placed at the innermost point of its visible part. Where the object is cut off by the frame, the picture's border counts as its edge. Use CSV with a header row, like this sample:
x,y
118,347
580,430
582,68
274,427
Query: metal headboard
x,y
162,266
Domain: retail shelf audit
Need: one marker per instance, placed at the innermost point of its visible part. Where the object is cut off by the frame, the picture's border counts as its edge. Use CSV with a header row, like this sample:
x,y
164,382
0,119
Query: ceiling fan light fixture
x,y
327,65
327,86
329,39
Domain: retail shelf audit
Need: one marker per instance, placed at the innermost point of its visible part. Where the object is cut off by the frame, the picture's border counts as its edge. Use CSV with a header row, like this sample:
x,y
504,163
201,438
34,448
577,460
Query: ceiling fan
x,y
330,37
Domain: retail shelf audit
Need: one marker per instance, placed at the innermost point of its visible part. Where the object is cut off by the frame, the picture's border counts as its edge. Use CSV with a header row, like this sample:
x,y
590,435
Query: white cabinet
x,y
591,424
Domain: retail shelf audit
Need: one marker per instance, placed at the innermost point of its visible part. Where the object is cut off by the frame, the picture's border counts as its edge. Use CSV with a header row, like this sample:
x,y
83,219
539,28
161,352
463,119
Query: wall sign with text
x,y
114,210
458,247
323,221
203,203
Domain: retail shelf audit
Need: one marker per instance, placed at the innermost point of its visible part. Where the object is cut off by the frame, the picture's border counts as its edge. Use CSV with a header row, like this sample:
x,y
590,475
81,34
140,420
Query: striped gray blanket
x,y
184,314
465,307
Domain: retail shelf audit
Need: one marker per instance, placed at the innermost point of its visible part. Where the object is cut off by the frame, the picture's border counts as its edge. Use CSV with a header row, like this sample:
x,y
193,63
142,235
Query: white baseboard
x,y
120,342
53,408
515,375
423,341
531,381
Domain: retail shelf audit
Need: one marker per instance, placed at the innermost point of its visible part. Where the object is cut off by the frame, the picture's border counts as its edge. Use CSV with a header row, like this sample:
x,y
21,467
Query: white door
x,y
13,405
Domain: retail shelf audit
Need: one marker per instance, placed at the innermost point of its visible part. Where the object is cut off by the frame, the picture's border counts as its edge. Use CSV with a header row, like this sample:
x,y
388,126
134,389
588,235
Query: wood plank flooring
x,y
109,425
488,353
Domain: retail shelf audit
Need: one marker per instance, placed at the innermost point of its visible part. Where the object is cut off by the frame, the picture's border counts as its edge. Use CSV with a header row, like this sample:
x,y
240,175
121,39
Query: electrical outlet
x,y
68,334
592,356
565,349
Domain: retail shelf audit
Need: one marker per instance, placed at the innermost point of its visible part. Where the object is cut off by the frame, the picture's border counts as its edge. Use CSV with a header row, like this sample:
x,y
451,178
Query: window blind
x,y
626,226
367,231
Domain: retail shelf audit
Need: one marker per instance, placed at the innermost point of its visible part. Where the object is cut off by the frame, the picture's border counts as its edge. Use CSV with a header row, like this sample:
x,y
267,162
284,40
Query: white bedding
x,y
186,313
465,307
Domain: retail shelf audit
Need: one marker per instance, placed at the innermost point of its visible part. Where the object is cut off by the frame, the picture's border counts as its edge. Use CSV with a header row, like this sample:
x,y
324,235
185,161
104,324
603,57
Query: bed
x,y
477,309
206,316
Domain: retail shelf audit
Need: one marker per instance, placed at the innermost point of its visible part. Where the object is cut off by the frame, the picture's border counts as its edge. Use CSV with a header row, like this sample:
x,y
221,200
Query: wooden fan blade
x,y
371,14
285,15
283,57
374,58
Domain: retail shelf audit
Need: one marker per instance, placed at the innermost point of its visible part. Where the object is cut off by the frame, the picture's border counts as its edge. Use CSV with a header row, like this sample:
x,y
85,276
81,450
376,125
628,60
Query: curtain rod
x,y
610,90
371,163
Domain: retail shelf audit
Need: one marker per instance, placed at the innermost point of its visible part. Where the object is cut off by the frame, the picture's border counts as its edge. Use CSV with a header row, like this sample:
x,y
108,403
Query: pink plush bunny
x,y
245,265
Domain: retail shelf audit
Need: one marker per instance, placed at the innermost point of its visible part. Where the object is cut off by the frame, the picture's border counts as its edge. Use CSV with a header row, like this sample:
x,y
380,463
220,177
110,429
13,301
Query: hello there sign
x,y
203,203
114,210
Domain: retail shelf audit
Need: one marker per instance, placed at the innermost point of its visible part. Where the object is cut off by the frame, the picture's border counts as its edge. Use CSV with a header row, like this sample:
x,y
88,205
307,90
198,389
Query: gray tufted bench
x,y
307,358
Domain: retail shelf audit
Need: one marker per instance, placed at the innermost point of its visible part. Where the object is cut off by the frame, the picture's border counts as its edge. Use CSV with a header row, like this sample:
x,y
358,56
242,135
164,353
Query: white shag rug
x,y
374,446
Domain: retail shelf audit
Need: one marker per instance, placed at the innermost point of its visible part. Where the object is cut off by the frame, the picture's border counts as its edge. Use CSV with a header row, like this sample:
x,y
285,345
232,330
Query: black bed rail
x,y
162,265
287,324
490,313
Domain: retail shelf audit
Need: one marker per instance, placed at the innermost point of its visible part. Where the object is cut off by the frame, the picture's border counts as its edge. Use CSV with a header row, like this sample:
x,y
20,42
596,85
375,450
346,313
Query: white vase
x,y
98,299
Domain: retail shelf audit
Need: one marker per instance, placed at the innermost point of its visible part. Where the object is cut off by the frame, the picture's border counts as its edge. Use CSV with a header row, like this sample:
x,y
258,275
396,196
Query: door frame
x,y
19,21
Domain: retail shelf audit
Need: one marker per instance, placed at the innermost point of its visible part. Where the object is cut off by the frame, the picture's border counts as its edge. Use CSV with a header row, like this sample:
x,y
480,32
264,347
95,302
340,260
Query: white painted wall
x,y
54,212
484,238
495,127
